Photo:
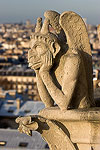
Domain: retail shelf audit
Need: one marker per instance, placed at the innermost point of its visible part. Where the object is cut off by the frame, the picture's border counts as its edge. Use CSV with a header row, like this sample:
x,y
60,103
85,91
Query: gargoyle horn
x,y
38,25
45,26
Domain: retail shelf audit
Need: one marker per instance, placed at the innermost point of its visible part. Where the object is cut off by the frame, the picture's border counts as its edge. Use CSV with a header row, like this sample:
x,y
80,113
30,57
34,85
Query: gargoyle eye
x,y
36,45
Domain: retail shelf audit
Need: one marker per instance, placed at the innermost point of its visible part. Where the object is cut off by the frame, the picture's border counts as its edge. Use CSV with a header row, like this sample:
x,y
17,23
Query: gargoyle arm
x,y
45,96
71,72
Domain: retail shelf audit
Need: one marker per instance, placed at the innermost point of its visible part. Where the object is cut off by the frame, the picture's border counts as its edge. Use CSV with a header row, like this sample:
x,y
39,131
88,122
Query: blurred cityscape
x,y
18,90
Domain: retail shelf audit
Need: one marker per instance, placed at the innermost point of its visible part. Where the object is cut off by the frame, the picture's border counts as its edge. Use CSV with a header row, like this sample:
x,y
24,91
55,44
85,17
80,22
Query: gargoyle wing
x,y
72,26
76,32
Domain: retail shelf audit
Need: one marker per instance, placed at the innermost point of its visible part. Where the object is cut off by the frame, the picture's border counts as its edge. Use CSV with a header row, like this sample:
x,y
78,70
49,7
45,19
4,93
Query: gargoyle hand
x,y
47,61
25,125
23,121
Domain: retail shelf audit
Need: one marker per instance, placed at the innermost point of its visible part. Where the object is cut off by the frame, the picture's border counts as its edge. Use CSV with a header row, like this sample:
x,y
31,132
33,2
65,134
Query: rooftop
x,y
8,108
13,140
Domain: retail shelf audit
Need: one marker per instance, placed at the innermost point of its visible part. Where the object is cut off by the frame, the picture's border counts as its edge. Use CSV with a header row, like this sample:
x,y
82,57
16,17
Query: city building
x,y
12,139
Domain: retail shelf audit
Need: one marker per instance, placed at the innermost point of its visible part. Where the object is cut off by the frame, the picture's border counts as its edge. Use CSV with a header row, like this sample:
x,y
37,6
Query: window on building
x,y
23,144
3,143
27,111
10,111
99,75
10,102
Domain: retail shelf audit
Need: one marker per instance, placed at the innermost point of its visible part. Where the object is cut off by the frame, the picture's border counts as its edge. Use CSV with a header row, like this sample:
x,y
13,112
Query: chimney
x,y
18,101
98,32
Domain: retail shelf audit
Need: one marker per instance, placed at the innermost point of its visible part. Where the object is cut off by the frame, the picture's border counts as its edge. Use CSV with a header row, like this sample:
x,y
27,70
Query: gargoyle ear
x,y
56,47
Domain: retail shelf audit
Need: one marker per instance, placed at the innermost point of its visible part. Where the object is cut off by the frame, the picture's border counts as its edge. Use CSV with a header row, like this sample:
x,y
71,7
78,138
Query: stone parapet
x,y
77,129
82,126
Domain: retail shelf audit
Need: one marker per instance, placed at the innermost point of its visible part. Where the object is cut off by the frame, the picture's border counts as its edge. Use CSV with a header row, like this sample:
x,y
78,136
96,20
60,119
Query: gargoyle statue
x,y
62,61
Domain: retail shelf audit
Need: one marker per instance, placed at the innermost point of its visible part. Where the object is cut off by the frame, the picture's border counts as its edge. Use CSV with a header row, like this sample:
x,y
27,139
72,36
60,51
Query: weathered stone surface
x,y
90,114
68,130
63,65
83,125
62,61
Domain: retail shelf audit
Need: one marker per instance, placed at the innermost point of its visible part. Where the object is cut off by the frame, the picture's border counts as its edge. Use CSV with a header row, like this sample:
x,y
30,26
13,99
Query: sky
x,y
16,11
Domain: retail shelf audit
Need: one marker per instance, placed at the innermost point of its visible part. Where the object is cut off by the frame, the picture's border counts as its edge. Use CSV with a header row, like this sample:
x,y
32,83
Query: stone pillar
x,y
18,102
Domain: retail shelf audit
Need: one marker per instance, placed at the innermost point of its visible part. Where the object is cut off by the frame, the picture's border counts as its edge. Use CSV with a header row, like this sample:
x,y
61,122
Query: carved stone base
x,y
81,127
70,130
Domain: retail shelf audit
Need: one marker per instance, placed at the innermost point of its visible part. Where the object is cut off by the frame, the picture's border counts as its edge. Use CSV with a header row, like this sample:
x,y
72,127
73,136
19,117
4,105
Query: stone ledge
x,y
83,125
54,113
